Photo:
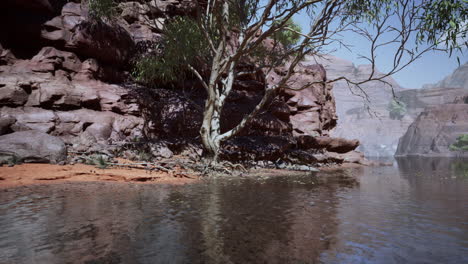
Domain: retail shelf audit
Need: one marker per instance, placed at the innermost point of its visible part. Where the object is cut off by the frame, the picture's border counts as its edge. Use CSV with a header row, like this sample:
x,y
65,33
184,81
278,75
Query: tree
x,y
226,34
461,144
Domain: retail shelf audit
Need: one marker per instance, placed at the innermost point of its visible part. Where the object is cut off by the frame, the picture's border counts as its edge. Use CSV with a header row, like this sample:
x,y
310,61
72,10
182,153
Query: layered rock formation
x,y
63,74
442,116
418,99
435,129
57,93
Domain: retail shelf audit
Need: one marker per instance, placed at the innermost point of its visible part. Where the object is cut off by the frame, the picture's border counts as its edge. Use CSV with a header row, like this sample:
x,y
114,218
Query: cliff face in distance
x,y
68,76
378,133
366,120
434,130
442,116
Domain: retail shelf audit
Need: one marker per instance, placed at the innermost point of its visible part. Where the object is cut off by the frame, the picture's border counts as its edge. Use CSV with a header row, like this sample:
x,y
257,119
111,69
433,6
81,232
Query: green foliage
x,y
287,37
447,18
438,22
144,155
102,9
461,144
183,44
97,160
397,109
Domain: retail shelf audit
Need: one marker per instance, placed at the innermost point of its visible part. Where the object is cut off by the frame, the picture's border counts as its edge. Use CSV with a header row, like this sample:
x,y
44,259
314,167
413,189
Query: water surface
x,y
413,212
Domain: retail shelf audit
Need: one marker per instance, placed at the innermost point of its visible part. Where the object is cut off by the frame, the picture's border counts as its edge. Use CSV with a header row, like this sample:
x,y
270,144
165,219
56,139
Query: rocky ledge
x,y
69,84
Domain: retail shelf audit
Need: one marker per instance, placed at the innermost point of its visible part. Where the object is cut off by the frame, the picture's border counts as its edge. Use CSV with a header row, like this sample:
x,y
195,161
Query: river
x,y
415,211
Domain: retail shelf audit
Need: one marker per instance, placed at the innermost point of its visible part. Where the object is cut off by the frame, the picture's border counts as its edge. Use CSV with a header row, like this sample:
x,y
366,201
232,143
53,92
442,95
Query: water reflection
x,y
275,220
416,212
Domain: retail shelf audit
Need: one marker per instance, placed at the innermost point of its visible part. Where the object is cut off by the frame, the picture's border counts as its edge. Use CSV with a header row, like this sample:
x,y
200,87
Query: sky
x,y
430,68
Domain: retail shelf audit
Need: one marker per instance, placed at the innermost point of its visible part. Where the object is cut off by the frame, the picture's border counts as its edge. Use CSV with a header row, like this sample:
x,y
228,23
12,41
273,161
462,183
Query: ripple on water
x,y
394,216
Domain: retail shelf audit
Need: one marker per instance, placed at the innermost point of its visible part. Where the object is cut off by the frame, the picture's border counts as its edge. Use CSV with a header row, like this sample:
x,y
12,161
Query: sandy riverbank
x,y
29,174
26,174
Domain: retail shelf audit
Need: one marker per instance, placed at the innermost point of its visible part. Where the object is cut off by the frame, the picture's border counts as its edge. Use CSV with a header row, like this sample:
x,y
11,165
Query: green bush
x,y
183,43
461,144
97,160
102,9
145,156
286,37
397,109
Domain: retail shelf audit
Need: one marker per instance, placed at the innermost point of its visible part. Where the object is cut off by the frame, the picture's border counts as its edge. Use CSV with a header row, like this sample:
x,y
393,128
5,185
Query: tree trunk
x,y
211,145
210,130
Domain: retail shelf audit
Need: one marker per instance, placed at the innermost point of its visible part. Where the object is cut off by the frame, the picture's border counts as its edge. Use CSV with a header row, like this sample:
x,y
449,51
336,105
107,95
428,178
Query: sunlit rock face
x,y
435,129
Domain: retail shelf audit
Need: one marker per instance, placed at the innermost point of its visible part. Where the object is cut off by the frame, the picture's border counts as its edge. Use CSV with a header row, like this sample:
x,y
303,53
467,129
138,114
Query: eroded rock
x,y
32,146
74,31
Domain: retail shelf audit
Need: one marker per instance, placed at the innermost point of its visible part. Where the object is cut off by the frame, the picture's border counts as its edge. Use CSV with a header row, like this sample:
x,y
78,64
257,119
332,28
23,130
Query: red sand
x,y
27,174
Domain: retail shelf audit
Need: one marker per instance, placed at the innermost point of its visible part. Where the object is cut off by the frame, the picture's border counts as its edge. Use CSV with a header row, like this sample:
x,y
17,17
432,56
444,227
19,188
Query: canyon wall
x,y
442,116
368,119
66,75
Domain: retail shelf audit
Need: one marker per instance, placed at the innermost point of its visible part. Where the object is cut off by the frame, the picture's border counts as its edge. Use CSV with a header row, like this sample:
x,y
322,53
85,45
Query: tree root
x,y
149,166
225,168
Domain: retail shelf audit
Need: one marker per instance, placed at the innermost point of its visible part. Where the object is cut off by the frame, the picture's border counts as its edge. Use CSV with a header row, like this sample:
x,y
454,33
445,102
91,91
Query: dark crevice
x,y
26,87
92,104
86,125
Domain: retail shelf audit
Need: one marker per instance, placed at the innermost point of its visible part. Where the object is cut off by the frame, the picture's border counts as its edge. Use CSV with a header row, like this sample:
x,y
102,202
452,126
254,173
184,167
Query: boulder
x,y
313,108
12,95
161,150
33,146
175,7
